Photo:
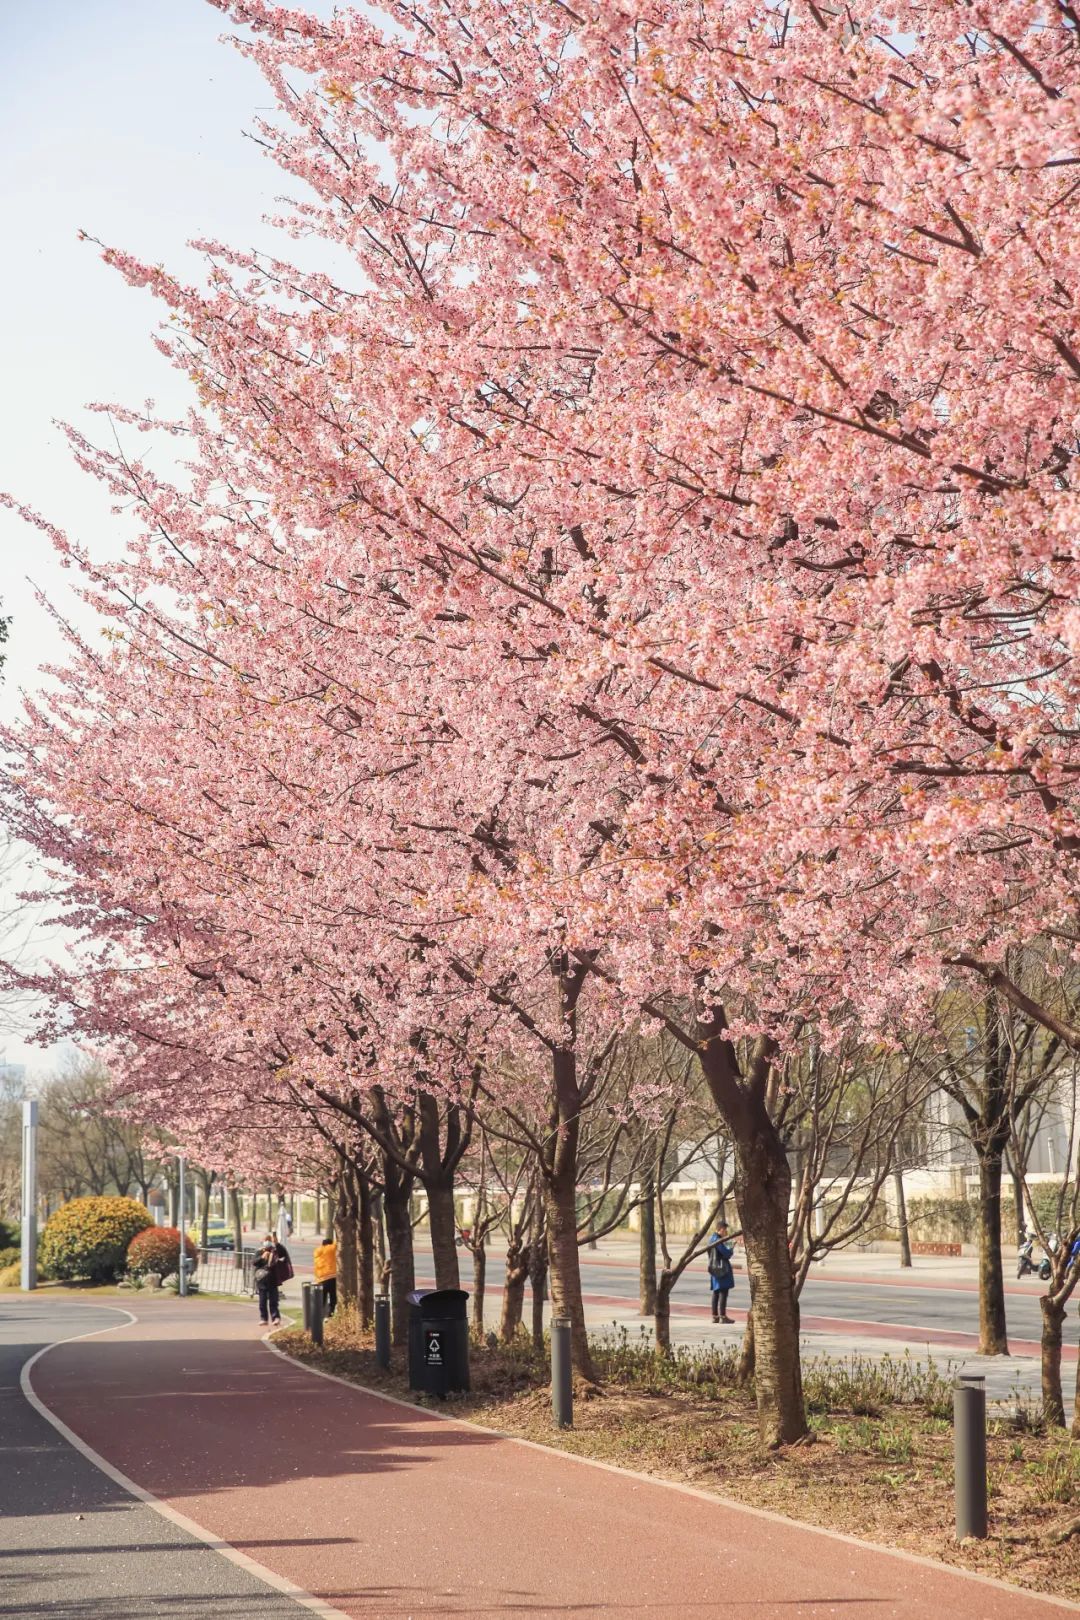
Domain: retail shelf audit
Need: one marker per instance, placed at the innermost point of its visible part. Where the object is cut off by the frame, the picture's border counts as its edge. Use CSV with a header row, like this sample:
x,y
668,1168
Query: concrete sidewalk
x,y
1010,1380
385,1510
857,1264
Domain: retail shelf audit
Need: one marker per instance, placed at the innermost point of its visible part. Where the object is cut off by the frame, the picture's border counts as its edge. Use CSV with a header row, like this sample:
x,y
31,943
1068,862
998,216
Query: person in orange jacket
x,y
326,1273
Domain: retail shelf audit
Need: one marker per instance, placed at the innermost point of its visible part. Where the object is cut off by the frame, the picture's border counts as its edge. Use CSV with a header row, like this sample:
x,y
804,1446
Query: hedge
x,y
956,1220
89,1238
156,1252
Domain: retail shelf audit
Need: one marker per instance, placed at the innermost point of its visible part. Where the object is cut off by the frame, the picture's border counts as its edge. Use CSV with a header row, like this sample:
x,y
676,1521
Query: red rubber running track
x,y
386,1511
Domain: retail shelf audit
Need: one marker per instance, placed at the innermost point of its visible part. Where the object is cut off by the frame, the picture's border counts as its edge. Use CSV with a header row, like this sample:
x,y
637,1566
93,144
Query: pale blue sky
x,y
124,118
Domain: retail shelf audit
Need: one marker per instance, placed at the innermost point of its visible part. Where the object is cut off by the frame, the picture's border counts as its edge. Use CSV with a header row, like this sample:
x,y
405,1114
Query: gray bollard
x,y
382,1329
969,1440
562,1373
316,1325
305,1298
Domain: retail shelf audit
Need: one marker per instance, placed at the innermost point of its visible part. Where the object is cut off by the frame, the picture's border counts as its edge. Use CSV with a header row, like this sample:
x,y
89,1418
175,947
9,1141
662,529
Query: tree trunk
x,y
901,1219
204,1213
647,1245
746,1354
399,1239
513,1300
365,1253
1053,1315
561,1204
1018,1200
565,1263
479,1260
443,1227
538,1273
763,1196
318,1213
662,1312
1076,1411
236,1218
993,1339
380,1230
345,1213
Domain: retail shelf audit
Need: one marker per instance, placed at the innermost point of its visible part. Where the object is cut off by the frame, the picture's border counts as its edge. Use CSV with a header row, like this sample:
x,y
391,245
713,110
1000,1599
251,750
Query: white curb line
x,y
223,1548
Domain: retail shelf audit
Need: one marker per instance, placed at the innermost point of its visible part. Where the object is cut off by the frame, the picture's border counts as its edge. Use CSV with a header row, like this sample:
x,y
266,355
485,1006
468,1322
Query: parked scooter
x,y
1025,1265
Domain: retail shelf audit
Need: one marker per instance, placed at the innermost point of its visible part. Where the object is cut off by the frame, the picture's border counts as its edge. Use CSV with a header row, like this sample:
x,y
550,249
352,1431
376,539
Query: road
x,y
945,1309
74,1545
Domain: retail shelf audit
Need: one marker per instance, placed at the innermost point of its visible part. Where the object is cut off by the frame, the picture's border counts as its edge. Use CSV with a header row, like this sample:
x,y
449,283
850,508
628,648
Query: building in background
x,y
12,1078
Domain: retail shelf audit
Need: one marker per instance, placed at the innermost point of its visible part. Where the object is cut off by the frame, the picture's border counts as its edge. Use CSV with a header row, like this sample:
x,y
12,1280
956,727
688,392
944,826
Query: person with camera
x,y
272,1268
721,1274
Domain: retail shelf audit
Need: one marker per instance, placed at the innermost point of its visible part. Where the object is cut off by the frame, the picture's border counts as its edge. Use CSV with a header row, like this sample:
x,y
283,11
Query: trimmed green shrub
x,y
944,1220
10,1276
10,1235
1044,1195
10,1257
849,1214
956,1219
89,1238
156,1252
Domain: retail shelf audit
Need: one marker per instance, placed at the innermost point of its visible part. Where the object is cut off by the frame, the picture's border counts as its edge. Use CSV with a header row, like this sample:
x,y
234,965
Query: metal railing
x,y
225,1271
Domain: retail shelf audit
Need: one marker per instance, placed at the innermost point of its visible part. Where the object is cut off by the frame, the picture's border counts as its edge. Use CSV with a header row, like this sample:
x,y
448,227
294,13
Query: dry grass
x,y
879,1463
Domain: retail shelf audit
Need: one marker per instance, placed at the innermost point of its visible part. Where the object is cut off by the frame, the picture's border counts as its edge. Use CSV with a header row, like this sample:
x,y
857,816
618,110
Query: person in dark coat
x,y
272,1268
721,1275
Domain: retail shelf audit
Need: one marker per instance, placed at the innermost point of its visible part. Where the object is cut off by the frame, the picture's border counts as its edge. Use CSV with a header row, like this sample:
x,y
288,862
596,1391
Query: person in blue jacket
x,y
721,1276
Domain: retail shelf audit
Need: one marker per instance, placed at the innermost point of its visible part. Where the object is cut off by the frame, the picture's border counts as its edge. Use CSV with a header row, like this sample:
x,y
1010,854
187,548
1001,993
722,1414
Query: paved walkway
x,y
74,1544
385,1510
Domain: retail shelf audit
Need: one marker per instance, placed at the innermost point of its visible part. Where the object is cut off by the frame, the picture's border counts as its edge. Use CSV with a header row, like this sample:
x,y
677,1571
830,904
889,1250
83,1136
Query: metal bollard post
x,y
316,1326
969,1440
562,1386
382,1329
305,1299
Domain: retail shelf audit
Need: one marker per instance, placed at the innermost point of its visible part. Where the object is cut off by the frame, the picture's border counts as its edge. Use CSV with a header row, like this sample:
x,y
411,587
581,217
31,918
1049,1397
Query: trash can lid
x,y
439,1301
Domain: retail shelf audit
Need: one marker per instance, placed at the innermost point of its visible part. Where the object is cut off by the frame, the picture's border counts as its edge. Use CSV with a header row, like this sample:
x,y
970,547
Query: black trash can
x,y
438,1340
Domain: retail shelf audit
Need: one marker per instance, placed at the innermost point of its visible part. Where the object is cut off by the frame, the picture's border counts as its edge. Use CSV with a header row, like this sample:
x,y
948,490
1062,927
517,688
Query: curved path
x,y
74,1544
385,1510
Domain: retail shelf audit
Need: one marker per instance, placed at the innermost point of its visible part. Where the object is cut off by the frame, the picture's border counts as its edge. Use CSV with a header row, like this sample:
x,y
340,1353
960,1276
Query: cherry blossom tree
x,y
642,578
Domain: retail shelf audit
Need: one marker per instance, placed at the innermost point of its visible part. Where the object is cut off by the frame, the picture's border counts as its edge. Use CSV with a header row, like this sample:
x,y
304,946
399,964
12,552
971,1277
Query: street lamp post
x,y
28,1261
182,1192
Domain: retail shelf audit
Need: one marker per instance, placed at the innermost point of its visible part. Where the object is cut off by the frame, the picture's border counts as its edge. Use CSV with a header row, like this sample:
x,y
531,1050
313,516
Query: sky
x,y
125,119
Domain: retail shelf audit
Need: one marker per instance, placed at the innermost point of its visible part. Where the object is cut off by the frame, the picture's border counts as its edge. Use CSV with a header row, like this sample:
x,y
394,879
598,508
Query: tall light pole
x,y
183,1225
28,1274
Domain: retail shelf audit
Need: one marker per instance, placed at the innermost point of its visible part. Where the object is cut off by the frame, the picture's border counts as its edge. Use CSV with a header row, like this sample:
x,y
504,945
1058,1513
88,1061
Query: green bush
x,y
9,1257
945,1220
155,1251
10,1276
956,1220
854,1223
10,1236
89,1238
1044,1196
